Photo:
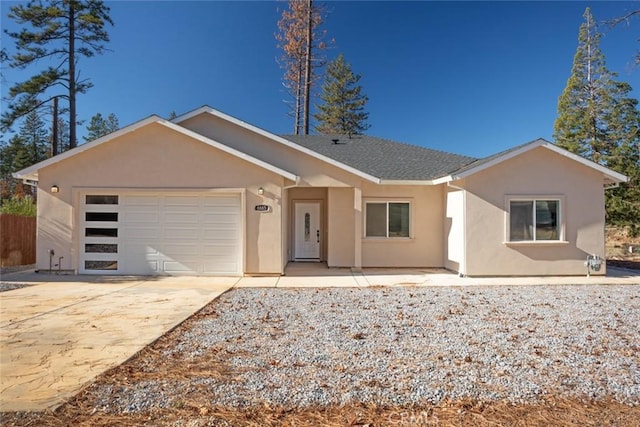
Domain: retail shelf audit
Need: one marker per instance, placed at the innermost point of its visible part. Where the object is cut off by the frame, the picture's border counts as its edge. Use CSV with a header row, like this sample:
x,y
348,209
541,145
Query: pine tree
x,y
99,126
59,31
343,108
13,157
35,137
24,149
599,121
623,203
63,135
302,41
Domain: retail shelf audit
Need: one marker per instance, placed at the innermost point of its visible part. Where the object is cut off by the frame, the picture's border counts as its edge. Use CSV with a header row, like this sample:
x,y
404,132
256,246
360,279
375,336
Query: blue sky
x,y
467,77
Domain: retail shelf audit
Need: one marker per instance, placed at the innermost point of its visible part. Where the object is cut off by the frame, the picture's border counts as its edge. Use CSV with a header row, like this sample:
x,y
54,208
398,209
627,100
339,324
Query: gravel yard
x,y
399,347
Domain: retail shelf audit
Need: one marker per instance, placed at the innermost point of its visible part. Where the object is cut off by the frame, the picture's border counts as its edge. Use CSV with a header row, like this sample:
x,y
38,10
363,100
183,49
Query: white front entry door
x,y
307,231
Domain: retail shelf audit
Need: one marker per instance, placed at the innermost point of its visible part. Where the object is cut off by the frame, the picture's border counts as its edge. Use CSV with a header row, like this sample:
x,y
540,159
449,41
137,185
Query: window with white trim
x,y
387,219
535,219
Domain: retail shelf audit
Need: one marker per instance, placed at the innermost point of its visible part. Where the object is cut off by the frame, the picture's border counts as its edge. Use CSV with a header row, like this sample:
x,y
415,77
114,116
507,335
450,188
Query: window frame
x,y
387,202
536,198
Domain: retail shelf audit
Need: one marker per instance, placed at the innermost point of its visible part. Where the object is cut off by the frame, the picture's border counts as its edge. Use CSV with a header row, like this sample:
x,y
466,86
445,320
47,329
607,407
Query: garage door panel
x,y
141,199
141,217
144,249
221,201
181,233
230,209
221,250
182,267
138,233
219,234
181,201
219,218
177,250
181,217
140,265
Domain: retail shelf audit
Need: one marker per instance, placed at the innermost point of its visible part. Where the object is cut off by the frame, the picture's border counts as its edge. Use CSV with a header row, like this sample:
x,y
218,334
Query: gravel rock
x,y
401,346
10,286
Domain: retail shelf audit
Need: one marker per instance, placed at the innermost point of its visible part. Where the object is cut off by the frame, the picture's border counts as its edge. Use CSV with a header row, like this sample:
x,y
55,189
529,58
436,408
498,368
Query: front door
x,y
307,231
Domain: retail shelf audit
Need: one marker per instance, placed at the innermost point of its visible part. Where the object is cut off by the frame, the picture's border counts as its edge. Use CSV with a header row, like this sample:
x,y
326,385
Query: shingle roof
x,y
383,158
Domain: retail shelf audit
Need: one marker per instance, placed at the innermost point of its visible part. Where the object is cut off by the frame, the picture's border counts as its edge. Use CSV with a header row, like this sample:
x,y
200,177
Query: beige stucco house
x,y
209,194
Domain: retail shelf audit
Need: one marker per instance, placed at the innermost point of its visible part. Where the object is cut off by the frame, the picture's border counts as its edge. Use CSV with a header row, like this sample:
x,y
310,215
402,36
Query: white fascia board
x,y
225,148
31,173
405,182
283,141
613,176
442,180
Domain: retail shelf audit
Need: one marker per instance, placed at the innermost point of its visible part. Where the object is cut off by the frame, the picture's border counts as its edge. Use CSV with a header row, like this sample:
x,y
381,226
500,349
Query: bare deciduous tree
x,y
301,40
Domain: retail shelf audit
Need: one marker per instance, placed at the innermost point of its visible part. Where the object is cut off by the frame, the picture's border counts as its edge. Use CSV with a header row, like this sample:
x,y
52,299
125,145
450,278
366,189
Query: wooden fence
x,y
17,240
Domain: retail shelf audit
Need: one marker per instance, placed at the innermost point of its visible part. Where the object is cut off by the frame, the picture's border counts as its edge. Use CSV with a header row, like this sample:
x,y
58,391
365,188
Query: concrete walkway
x,y
59,335
301,275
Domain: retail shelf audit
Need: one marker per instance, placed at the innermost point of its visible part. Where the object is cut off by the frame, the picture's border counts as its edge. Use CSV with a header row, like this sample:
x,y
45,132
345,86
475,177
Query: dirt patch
x,y
623,249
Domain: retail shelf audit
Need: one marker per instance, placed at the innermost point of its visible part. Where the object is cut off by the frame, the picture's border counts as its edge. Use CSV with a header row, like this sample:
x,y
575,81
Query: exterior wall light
x,y
55,189
261,191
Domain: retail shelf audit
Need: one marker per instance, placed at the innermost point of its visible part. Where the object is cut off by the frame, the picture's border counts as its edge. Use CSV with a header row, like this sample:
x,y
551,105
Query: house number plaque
x,y
263,208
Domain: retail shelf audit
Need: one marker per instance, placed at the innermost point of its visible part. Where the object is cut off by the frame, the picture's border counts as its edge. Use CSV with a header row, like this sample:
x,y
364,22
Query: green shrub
x,y
22,206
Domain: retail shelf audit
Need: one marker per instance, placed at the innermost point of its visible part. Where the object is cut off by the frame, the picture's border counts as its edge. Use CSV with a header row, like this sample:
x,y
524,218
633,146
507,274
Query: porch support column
x,y
357,223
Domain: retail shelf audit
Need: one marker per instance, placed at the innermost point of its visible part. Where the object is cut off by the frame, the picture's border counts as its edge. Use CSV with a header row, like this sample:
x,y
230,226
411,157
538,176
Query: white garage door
x,y
161,233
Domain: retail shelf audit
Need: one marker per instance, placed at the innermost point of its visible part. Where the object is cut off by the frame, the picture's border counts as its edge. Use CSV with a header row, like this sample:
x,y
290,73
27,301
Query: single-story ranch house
x,y
208,194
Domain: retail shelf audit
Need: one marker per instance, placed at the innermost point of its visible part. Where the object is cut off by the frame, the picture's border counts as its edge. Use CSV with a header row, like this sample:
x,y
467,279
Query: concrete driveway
x,y
59,334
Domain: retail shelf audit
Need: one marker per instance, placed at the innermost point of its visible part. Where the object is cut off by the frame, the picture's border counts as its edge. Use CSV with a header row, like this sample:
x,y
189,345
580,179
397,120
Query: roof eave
x,y
406,182
443,180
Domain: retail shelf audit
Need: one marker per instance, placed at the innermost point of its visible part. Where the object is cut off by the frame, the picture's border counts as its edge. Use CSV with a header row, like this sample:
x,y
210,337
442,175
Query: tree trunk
x,y
298,107
307,71
54,130
72,77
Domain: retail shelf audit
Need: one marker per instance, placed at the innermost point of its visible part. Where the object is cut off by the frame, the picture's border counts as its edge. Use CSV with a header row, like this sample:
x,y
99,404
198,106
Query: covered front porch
x,y
324,224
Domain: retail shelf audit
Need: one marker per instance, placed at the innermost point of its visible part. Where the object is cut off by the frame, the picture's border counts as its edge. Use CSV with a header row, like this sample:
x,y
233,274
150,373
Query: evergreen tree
x,y
63,135
59,31
28,147
35,137
342,110
99,126
599,121
14,156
